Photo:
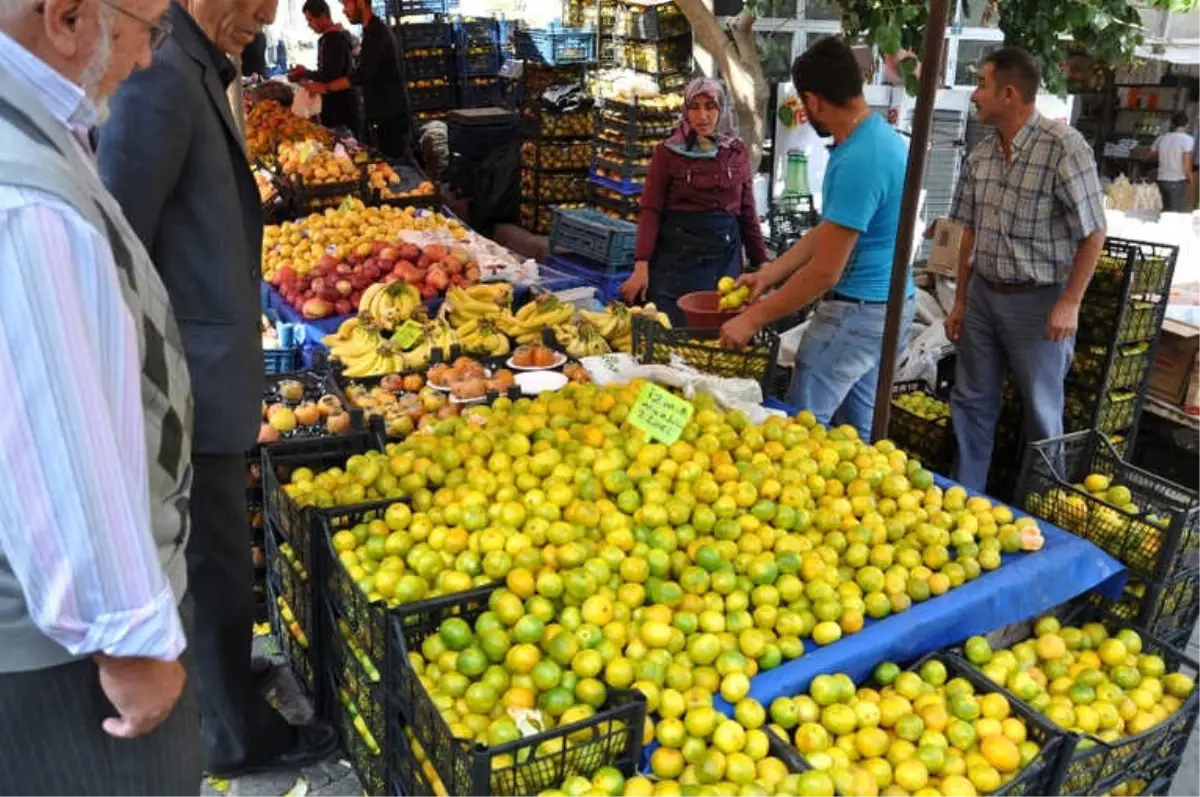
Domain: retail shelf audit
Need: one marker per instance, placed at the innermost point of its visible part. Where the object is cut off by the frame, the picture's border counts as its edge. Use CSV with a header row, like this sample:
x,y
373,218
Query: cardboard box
x,y
943,257
1175,377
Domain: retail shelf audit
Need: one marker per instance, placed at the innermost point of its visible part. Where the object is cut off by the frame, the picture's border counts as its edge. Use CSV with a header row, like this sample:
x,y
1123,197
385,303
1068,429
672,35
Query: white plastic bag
x,y
305,104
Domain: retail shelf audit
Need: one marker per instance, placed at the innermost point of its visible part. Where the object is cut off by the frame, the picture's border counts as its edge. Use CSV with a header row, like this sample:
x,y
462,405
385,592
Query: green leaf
x,y
911,84
786,117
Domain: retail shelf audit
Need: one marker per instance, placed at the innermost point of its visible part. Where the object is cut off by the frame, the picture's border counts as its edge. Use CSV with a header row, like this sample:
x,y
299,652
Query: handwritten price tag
x,y
660,414
408,335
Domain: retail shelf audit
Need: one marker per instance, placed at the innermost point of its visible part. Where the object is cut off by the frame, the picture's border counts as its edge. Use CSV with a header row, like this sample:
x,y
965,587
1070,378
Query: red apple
x,y
389,253
344,287
372,273
355,298
378,247
330,293
388,279
343,307
428,291
326,262
362,280
409,252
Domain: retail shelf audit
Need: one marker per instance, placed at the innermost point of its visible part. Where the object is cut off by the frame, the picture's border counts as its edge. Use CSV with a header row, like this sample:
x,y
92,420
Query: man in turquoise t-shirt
x,y
846,260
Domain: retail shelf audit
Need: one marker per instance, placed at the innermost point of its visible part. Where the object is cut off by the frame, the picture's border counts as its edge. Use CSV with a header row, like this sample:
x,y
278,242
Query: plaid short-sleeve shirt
x,y
1030,214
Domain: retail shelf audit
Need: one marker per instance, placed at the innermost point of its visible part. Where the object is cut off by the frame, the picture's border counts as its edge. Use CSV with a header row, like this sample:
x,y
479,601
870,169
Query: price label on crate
x,y
408,335
660,414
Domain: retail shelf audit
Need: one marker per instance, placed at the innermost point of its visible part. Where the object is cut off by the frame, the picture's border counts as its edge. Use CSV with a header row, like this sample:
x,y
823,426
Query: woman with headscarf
x,y
697,209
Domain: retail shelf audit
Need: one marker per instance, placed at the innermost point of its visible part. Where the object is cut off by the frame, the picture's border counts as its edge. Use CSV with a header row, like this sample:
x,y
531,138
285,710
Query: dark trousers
x,y
1174,195
391,135
235,720
51,741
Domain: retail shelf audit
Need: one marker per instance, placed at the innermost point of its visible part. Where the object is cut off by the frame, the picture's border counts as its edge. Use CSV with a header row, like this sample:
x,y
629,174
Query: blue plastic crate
x,y
431,98
556,46
475,31
281,361
478,60
412,8
593,235
626,186
606,281
479,95
552,280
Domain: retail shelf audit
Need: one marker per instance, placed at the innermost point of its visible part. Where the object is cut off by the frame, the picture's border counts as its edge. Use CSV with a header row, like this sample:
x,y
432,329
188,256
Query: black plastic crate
x,y
543,124
432,98
1100,766
430,64
479,60
348,666
281,361
613,736
634,166
555,45
1133,268
412,776
700,348
613,203
537,216
1161,538
789,218
552,188
1102,368
1107,411
365,752
1172,617
655,58
1104,319
291,578
473,31
279,460
295,641
646,21
555,155
479,92
929,439
306,196
416,8
1041,774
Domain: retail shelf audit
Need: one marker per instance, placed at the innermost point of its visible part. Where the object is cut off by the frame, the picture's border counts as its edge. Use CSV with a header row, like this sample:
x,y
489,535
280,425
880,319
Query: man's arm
x,y
74,506
1188,167
830,245
144,143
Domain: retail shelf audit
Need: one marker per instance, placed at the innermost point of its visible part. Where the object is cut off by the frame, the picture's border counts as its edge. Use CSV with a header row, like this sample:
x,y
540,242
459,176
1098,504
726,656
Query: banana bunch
x,y
526,325
477,301
581,339
441,335
652,313
417,359
482,337
389,304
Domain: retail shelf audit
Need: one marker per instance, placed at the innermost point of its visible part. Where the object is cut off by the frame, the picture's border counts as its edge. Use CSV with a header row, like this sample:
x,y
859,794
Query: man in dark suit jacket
x,y
172,156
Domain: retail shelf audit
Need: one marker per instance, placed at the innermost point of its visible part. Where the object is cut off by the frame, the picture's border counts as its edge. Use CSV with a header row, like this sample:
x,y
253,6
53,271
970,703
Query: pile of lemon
x,y
919,732
755,536
1087,680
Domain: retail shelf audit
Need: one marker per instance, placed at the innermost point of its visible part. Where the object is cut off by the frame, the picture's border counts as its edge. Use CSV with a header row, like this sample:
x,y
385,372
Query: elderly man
x,y
1031,203
172,156
96,438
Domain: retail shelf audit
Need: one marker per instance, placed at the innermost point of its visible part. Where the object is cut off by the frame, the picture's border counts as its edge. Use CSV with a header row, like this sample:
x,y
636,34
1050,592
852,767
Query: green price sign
x,y
408,335
660,414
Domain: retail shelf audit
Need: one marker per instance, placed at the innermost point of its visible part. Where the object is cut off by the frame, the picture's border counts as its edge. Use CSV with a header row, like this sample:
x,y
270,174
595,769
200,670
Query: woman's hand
x,y
633,290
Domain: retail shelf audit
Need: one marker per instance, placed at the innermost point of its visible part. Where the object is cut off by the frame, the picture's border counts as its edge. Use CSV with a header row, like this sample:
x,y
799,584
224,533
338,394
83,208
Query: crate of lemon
x,y
741,536
1127,700
939,728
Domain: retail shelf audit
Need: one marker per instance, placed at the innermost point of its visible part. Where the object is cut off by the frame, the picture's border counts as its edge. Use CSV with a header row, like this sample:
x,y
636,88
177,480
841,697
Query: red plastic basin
x,y
701,309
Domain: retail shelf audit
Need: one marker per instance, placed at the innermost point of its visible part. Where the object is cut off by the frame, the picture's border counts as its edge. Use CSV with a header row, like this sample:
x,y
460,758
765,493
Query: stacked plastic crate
x,y
626,134
555,146
597,14
941,170
428,54
478,59
654,38
476,134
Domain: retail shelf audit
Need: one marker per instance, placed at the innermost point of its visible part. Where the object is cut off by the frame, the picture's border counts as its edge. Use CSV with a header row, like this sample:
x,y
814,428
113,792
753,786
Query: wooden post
x,y
931,57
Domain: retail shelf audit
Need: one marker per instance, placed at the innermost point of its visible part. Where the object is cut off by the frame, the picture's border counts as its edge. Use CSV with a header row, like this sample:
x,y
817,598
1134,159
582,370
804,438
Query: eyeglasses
x,y
159,31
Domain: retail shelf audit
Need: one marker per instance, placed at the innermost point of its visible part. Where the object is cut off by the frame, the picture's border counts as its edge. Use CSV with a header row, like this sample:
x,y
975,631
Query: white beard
x,y
94,72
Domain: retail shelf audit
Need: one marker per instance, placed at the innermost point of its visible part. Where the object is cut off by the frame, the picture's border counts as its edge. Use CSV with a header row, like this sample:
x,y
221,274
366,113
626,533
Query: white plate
x,y
562,358
534,382
463,401
443,388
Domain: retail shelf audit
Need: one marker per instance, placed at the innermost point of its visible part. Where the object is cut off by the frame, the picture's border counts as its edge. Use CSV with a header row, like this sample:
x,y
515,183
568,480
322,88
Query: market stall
x,y
516,540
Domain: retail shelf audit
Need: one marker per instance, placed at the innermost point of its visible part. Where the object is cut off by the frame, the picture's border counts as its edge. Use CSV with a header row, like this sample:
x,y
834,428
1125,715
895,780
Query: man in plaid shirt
x,y
1033,212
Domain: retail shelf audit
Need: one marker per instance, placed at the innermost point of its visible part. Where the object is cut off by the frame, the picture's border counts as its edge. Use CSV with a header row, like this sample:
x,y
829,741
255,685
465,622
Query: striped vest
x,y
37,152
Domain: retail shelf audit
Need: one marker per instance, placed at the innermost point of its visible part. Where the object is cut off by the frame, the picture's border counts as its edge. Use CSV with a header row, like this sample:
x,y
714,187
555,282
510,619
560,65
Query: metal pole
x,y
931,62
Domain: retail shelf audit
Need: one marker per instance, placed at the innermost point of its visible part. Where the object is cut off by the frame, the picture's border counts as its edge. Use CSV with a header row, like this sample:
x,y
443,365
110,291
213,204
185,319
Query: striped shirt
x,y
75,520
1029,215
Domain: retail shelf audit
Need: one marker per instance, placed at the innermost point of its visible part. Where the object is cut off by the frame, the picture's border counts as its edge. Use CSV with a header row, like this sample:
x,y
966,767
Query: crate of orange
x,y
1125,699
511,739
939,725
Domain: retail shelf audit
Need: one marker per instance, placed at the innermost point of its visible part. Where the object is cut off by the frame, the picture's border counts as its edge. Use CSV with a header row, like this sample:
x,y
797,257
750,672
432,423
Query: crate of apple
x,y
334,285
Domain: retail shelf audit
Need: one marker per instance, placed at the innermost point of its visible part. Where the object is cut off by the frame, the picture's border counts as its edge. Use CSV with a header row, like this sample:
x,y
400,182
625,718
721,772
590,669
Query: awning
x,y
1177,52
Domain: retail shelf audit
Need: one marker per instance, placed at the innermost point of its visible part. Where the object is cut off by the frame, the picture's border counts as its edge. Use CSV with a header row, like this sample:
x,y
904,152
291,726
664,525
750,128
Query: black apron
x,y
694,250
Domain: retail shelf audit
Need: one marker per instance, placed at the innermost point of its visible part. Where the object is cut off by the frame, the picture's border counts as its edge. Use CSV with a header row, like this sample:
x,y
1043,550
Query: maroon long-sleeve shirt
x,y
677,182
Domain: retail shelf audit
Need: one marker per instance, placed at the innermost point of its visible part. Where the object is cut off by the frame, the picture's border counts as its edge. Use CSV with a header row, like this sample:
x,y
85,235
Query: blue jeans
x,y
1005,330
837,364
